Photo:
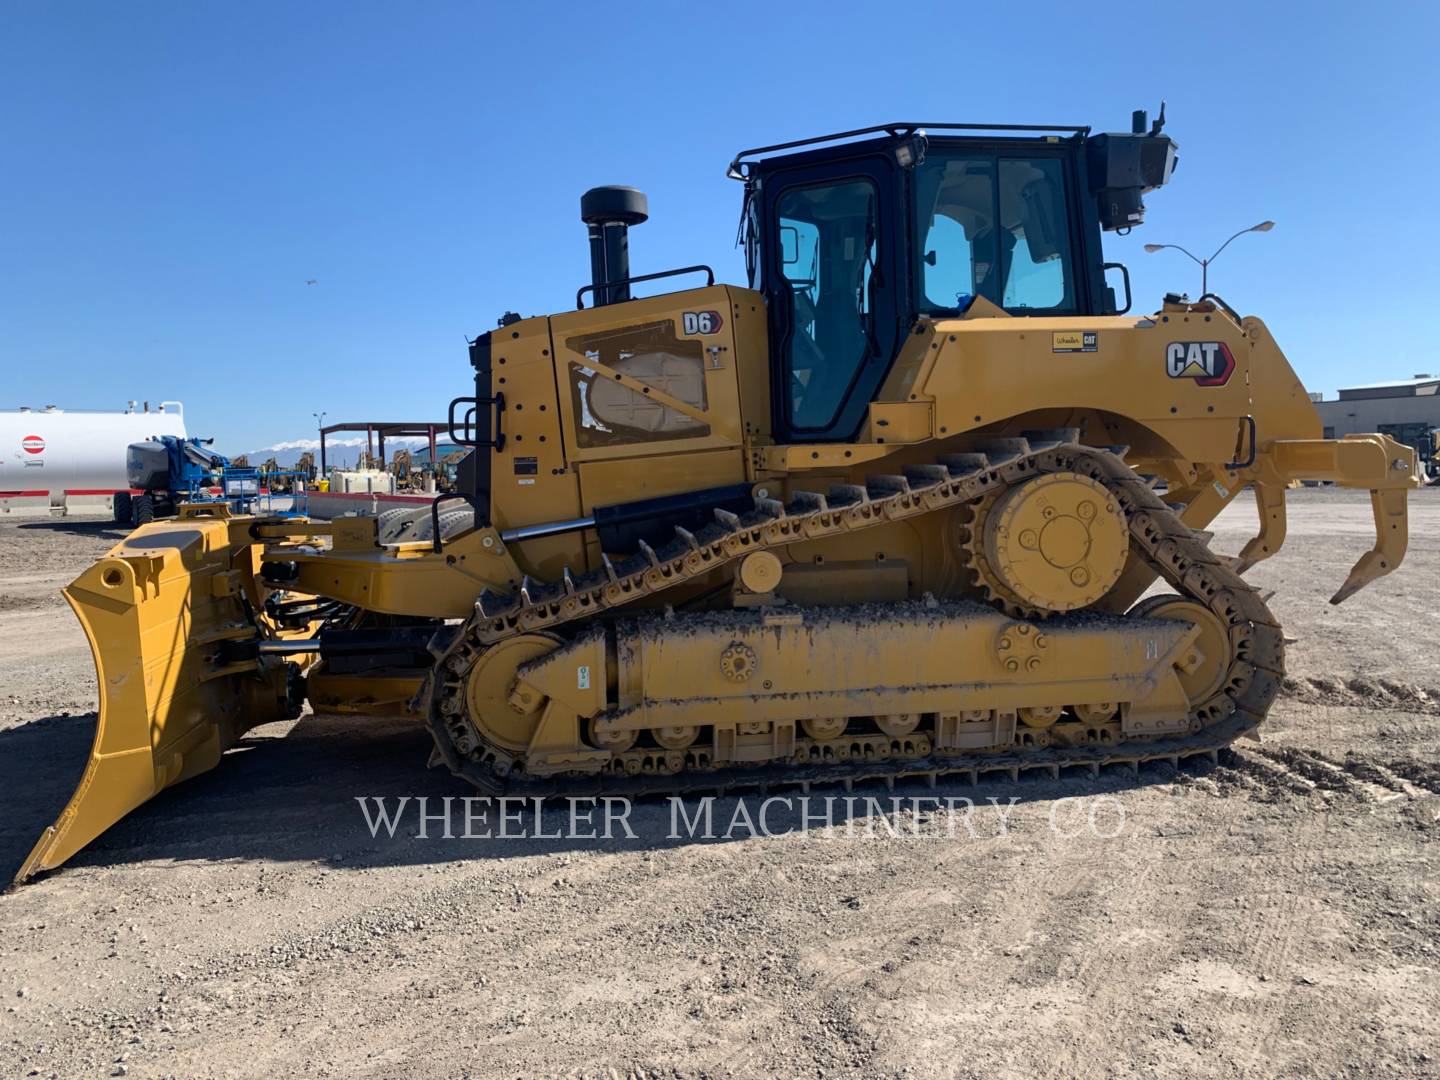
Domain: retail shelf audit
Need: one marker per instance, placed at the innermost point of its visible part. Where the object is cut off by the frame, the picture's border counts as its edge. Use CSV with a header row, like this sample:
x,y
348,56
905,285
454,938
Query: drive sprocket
x,y
1051,544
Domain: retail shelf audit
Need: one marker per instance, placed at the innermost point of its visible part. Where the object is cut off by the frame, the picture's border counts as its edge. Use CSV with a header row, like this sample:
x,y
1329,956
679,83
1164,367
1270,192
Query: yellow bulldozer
x,y
924,498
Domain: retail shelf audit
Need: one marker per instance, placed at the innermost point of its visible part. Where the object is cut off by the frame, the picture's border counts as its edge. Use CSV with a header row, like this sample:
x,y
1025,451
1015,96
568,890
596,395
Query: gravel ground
x,y
1275,915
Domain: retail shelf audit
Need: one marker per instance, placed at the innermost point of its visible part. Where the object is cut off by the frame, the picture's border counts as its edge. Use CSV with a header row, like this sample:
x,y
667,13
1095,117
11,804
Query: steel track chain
x,y
1158,537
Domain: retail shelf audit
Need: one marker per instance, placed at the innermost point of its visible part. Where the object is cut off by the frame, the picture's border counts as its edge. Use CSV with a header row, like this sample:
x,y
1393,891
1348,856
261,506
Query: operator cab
x,y
853,241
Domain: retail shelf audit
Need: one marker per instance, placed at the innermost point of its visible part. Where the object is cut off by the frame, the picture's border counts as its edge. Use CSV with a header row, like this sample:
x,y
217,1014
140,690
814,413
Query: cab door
x,y
832,271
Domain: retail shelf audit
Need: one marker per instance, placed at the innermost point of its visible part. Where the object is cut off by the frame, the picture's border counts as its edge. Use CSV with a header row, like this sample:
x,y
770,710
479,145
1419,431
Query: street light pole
x,y
320,423
1264,226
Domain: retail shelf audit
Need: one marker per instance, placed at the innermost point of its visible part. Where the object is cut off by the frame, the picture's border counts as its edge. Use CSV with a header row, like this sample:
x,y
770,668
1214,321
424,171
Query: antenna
x,y
1159,120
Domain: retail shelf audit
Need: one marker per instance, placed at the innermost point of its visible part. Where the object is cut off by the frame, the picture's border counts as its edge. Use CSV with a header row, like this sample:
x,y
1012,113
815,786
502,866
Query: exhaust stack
x,y
609,212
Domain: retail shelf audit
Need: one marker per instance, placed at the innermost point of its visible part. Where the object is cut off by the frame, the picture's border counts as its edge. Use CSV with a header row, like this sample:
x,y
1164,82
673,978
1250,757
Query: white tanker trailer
x,y
67,455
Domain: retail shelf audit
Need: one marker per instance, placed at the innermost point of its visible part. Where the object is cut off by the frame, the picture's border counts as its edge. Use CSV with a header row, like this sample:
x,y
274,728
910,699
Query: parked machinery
x,y
167,470
305,467
889,511
401,468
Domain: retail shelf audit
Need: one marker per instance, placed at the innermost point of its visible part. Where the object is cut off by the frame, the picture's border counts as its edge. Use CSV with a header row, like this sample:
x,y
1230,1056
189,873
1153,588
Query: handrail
x,y
435,515
709,280
495,443
1239,442
1125,271
1228,309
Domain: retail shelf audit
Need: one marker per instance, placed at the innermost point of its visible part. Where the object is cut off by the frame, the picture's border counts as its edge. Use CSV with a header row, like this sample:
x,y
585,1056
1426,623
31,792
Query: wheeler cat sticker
x,y
1071,341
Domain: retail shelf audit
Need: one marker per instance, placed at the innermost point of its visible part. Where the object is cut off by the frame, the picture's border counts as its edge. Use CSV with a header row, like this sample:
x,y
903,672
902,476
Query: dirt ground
x,y
1275,915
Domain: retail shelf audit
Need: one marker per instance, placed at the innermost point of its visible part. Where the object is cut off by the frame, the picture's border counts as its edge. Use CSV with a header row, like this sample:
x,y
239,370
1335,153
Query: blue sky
x,y
172,174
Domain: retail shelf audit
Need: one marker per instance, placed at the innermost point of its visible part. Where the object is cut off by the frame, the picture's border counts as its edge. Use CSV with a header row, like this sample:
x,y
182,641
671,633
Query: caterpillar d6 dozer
x,y
892,510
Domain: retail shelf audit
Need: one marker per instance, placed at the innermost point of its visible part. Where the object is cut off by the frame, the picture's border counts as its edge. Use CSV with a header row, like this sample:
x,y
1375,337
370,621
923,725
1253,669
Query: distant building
x,y
421,454
1407,410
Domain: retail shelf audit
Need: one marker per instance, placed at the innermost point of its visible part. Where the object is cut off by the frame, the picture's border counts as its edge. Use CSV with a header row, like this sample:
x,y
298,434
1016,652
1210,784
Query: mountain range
x,y
342,450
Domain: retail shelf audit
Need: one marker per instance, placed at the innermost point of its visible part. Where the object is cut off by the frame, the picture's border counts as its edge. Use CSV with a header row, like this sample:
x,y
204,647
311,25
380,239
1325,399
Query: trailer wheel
x,y
124,511
452,522
142,509
398,525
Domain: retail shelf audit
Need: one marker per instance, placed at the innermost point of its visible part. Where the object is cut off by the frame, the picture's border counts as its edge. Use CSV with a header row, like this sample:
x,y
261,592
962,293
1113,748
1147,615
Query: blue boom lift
x,y
169,470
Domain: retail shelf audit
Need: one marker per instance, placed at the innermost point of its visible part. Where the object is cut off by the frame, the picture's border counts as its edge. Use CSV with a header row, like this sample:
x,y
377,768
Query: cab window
x,y
995,227
1038,267
827,238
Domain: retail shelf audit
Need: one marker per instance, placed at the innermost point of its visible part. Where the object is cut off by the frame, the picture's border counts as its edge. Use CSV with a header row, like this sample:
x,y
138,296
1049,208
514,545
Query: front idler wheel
x,y
503,711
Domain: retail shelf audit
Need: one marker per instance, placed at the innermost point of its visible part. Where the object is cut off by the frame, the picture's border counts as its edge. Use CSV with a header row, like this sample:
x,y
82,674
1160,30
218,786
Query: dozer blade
x,y
156,610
